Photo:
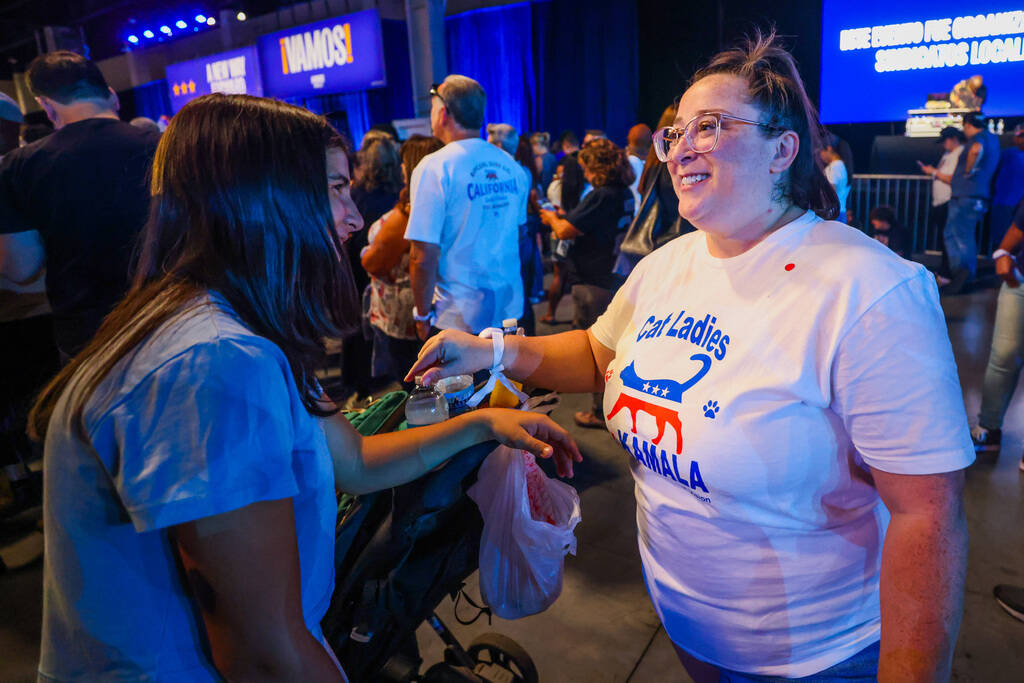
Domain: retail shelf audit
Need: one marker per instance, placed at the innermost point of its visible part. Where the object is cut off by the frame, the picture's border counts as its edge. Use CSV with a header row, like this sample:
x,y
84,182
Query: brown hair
x,y
652,161
66,77
379,165
775,87
413,150
239,206
606,162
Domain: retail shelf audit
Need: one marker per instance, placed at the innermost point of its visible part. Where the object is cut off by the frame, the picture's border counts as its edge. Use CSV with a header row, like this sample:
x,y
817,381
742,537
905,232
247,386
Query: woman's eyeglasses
x,y
701,132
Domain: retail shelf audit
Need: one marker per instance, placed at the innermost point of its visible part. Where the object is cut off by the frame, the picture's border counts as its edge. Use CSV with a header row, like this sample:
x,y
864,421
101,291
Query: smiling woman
x,y
762,352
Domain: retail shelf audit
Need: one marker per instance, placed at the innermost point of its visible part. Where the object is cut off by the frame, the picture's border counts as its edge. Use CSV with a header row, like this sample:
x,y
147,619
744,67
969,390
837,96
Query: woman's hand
x,y
547,217
535,433
451,353
1004,269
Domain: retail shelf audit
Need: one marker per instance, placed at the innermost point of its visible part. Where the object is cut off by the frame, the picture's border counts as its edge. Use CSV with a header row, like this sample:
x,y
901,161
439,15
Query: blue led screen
x,y
881,58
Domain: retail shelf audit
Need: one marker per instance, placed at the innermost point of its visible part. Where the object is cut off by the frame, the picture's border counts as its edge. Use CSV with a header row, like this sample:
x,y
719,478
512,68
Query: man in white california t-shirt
x,y
467,200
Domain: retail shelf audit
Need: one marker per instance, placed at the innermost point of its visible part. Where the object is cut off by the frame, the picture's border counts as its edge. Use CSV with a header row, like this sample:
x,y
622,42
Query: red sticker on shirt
x,y
790,266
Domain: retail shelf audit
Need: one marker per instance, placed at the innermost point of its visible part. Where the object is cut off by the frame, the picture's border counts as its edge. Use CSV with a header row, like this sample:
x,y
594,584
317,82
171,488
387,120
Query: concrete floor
x,y
603,629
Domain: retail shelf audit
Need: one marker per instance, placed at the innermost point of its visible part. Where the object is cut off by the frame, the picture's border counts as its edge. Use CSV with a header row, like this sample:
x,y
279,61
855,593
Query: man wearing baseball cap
x,y
952,140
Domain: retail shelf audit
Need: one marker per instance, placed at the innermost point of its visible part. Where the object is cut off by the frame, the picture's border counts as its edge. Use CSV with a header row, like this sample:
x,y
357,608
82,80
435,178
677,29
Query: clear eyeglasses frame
x,y
702,133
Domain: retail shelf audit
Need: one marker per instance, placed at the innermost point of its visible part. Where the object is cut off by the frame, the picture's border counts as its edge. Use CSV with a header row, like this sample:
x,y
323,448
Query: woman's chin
x,y
693,211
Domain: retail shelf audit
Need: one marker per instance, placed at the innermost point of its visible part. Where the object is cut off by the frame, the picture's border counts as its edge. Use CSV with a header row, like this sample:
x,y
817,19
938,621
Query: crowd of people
x,y
167,298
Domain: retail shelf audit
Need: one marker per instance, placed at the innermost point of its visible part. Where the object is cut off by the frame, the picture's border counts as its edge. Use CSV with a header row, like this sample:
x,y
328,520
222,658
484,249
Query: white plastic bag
x,y
528,528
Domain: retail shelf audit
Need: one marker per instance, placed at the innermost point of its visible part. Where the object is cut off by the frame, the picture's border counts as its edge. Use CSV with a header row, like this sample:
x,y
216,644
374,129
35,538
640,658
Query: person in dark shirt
x,y
886,228
971,188
76,200
596,225
378,180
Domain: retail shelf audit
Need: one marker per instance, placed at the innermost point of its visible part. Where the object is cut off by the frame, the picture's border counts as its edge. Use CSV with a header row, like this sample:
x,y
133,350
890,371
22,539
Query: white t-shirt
x,y
943,192
752,393
470,198
837,176
555,192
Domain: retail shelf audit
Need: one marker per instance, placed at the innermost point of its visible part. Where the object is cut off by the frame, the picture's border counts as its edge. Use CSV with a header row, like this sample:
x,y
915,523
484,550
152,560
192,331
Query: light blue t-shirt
x,y
201,418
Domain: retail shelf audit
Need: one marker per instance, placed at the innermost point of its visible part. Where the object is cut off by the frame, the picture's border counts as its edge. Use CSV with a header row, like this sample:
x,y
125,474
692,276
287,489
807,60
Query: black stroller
x,y
398,553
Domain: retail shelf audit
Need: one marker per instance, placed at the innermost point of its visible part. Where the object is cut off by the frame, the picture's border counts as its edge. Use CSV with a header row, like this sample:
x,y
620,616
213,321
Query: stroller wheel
x,y
498,654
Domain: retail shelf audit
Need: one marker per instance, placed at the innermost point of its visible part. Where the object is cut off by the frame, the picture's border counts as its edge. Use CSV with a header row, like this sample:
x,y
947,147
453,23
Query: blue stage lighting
x,y
200,18
180,23
133,39
147,33
165,29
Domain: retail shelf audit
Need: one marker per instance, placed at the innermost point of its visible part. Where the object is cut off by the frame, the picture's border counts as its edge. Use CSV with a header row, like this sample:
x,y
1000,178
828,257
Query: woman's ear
x,y
787,146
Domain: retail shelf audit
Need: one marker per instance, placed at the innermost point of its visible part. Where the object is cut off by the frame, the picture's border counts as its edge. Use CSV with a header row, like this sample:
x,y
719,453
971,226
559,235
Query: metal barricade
x,y
910,196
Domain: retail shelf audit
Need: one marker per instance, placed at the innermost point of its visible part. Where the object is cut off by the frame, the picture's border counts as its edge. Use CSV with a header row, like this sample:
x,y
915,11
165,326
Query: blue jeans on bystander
x,y
961,244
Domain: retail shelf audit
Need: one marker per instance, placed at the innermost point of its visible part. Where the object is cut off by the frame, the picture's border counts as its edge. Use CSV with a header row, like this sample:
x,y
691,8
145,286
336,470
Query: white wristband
x,y
999,253
422,318
497,336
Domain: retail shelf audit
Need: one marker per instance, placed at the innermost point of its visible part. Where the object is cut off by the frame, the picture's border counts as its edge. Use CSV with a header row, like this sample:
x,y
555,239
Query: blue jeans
x,y
961,245
860,668
1005,359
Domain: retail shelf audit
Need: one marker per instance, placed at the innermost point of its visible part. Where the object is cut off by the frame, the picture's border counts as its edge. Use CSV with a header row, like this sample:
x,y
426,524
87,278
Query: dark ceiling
x,y
103,23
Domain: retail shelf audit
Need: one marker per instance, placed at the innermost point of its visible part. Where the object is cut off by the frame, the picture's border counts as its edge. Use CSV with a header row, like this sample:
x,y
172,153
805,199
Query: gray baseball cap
x,y
9,110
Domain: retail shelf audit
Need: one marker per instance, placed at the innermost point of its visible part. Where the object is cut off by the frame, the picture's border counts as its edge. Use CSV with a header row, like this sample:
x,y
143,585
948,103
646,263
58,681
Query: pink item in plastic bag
x,y
537,490
529,521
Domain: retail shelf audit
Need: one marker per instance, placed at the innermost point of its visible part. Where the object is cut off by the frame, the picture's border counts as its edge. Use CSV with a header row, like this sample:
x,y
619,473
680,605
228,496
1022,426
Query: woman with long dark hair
x,y
565,193
786,393
386,259
191,458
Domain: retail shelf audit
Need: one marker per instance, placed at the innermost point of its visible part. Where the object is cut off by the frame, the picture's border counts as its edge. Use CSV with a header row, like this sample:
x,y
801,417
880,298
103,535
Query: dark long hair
x,y
524,155
652,161
573,182
413,150
775,87
239,206
379,166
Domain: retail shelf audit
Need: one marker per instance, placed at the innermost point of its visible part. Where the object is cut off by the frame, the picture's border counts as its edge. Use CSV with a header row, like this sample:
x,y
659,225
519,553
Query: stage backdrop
x,y
565,64
880,58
